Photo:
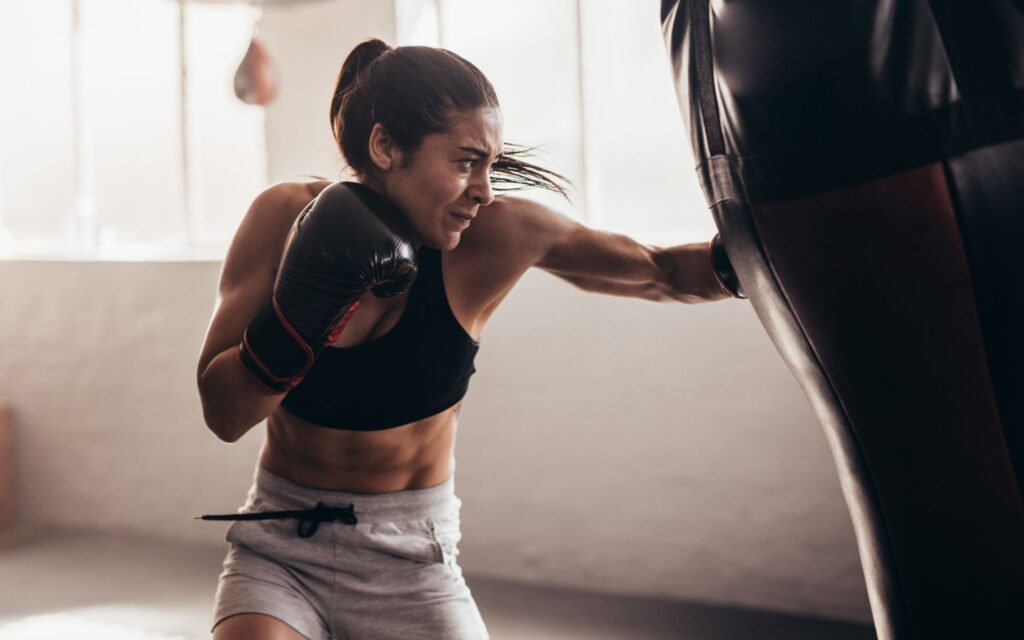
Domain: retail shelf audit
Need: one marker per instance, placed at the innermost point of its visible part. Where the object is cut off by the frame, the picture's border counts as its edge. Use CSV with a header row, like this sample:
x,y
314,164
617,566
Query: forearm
x,y
687,273
650,290
683,273
615,264
232,401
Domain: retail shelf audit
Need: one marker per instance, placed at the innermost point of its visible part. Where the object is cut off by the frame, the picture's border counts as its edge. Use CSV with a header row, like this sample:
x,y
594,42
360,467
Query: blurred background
x,y
609,448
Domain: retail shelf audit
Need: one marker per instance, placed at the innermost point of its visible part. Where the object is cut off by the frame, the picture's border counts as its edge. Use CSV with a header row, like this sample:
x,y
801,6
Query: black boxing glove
x,y
723,269
348,240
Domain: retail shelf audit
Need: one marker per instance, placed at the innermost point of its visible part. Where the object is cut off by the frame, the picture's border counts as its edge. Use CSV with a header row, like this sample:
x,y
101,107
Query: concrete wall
x,y
606,443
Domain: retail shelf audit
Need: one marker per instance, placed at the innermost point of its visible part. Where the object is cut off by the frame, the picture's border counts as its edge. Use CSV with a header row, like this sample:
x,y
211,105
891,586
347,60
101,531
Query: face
x,y
442,184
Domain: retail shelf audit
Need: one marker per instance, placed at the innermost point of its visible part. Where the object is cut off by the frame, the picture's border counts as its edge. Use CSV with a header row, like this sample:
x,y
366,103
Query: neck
x,y
403,227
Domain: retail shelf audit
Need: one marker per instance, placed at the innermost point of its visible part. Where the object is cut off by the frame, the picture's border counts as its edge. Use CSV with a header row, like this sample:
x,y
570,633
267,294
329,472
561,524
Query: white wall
x,y
307,42
609,444
628,446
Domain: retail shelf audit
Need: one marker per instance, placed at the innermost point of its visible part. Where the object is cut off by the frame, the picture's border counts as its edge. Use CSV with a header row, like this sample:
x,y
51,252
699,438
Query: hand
x,y
723,269
689,273
347,241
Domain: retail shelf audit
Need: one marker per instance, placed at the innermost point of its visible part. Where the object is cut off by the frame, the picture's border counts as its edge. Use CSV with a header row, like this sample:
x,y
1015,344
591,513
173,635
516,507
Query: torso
x,y
412,456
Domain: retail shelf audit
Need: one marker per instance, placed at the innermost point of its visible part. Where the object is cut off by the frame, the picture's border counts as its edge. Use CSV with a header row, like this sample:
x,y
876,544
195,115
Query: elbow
x,y
224,430
217,418
221,427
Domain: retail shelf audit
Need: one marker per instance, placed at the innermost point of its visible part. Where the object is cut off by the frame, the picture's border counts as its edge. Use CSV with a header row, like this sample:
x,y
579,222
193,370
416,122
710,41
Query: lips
x,y
464,219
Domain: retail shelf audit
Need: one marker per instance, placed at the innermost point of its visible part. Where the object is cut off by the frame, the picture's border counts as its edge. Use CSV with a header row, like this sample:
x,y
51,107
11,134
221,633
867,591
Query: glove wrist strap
x,y
723,269
273,352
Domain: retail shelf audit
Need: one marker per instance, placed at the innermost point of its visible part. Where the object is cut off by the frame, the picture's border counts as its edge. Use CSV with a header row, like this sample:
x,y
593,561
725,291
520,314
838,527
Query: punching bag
x,y
255,80
864,163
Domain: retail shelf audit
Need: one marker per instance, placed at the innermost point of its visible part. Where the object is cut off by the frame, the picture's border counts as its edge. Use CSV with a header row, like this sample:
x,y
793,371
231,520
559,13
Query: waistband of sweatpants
x,y
397,505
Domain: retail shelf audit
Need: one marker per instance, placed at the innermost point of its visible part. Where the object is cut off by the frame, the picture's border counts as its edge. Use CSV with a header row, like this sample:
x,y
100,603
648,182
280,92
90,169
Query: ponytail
x,y
358,60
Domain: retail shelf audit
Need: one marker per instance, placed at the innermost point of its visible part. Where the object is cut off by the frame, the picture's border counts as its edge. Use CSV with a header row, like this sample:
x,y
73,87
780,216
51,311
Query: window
x,y
37,164
589,81
124,140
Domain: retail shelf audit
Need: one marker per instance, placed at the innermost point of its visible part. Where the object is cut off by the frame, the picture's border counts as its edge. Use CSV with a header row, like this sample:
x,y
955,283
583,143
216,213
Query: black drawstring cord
x,y
309,519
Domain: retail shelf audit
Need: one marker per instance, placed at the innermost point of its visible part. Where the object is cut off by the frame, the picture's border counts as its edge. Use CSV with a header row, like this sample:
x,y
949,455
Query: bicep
x,y
580,254
535,235
235,306
247,275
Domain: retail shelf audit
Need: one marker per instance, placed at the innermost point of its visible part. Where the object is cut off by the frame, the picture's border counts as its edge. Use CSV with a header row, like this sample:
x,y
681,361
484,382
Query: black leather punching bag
x,y
864,163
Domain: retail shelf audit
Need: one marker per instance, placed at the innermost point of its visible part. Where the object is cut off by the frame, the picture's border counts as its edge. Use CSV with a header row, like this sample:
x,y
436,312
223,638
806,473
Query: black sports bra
x,y
417,369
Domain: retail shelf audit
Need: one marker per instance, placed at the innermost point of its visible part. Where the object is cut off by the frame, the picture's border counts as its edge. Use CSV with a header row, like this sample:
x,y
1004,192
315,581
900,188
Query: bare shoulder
x,y
519,225
514,213
508,236
285,200
261,235
278,202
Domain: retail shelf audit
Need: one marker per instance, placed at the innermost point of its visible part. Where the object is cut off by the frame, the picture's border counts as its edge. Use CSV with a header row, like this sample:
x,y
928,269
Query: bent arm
x,y
232,401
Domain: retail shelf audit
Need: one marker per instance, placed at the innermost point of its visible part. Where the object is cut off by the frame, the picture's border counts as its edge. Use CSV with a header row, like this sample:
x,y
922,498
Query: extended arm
x,y
615,264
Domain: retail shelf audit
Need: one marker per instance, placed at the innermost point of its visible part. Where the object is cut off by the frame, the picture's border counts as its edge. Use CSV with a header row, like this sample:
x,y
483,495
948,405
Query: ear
x,y
384,154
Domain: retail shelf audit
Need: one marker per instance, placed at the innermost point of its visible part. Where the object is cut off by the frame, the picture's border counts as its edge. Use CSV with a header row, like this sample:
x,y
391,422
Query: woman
x,y
360,435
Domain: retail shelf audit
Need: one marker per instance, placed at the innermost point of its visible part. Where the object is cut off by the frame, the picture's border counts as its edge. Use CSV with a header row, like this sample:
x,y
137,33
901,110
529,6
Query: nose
x,y
480,191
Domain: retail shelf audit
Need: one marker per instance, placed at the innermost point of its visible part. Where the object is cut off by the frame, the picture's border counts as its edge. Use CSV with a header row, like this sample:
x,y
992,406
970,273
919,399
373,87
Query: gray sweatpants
x,y
391,576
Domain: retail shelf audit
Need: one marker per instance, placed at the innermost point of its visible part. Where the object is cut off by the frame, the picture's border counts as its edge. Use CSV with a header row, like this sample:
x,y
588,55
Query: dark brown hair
x,y
415,91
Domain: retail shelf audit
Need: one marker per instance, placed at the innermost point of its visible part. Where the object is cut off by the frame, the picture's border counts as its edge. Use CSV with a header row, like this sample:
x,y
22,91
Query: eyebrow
x,y
474,150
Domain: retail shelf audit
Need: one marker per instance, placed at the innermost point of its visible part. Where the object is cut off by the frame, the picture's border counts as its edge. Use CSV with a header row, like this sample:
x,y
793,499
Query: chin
x,y
451,241
443,242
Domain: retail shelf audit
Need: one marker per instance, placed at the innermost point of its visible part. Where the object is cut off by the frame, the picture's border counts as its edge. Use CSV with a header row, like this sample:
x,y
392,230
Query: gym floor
x,y
67,585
